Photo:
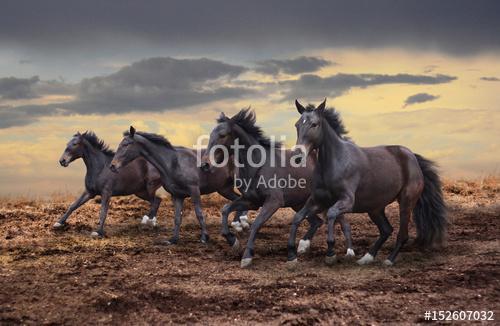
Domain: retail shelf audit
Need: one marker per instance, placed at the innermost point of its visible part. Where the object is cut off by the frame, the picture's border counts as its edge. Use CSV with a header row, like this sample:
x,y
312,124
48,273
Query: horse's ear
x,y
132,131
222,116
321,108
299,107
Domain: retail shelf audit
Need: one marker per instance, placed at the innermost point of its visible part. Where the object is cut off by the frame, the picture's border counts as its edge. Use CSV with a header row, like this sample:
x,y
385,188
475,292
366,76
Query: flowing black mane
x,y
332,116
97,143
155,138
246,120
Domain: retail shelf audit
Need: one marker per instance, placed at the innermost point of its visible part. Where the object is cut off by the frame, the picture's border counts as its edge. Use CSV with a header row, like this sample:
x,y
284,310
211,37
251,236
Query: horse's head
x,y
73,151
127,151
309,129
221,139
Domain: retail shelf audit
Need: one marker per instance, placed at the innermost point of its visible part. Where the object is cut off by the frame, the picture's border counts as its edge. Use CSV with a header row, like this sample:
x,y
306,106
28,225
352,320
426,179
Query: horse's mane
x,y
155,138
97,143
246,120
332,116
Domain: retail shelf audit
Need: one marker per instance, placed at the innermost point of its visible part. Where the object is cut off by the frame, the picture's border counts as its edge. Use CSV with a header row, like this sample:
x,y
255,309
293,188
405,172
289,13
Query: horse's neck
x,y
246,141
95,161
164,159
330,149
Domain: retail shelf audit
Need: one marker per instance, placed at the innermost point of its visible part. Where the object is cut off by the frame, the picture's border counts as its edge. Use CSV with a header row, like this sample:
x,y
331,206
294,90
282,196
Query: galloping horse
x,y
238,135
139,178
179,173
353,179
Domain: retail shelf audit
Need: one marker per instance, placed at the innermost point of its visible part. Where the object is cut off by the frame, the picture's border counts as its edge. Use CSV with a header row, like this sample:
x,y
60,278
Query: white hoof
x,y
246,262
237,226
94,234
303,246
244,222
145,220
387,262
366,259
331,260
291,265
350,253
153,221
57,225
235,248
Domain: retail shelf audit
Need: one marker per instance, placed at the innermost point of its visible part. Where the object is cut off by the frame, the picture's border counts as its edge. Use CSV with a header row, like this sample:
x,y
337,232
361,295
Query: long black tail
x,y
430,212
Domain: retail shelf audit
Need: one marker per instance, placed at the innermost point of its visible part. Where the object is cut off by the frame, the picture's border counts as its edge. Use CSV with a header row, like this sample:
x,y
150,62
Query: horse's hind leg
x,y
102,215
385,229
195,198
346,230
405,208
178,205
305,243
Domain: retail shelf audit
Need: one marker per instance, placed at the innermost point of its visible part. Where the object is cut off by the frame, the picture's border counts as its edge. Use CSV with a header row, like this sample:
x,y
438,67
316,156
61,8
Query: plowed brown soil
x,y
69,278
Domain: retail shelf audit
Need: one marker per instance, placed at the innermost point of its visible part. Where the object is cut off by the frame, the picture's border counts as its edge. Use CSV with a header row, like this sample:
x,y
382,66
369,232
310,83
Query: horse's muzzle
x,y
63,162
113,167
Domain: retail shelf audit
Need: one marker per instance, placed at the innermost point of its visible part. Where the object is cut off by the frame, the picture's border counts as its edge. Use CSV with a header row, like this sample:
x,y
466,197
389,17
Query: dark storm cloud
x,y
293,66
251,26
314,87
494,79
420,98
154,84
13,88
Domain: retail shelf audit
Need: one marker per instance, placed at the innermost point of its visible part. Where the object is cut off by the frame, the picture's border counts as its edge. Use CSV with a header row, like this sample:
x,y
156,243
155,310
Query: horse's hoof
x,y
204,238
58,225
145,220
350,254
237,226
96,234
304,246
331,260
235,248
387,262
366,259
246,262
153,221
244,222
291,265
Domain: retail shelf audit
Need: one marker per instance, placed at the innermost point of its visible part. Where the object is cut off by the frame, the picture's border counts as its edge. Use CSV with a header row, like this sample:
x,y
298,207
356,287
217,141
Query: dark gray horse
x,y
179,173
352,179
140,178
262,185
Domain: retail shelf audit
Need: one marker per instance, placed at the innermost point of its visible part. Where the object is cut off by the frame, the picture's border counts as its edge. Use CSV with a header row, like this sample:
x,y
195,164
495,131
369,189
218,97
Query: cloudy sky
x,y
425,74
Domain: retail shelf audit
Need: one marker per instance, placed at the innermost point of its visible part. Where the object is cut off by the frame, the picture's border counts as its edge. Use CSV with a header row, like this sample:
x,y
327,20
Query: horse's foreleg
x,y
346,230
343,205
239,204
240,220
195,198
314,223
385,230
178,205
85,197
310,208
102,215
151,217
267,210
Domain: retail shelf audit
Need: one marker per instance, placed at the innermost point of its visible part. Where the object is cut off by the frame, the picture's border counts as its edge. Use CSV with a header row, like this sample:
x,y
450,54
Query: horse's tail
x,y
430,212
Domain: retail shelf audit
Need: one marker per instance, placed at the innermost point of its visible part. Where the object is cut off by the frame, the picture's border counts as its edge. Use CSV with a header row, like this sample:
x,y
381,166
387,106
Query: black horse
x,y
179,174
140,178
353,179
263,165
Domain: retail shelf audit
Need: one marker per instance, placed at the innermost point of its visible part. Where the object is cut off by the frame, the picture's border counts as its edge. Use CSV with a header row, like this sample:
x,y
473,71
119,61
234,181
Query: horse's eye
x,y
314,125
223,136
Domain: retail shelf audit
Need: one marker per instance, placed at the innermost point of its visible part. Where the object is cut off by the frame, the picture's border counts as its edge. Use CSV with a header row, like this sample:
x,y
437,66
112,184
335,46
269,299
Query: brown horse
x,y
140,178
264,168
179,173
353,179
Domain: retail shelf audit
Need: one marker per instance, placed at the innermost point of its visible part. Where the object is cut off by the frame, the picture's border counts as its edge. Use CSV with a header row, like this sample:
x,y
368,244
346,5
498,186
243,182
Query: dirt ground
x,y
49,277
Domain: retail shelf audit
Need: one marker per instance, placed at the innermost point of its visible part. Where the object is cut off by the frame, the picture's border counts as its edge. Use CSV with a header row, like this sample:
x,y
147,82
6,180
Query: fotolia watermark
x,y
273,155
254,156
